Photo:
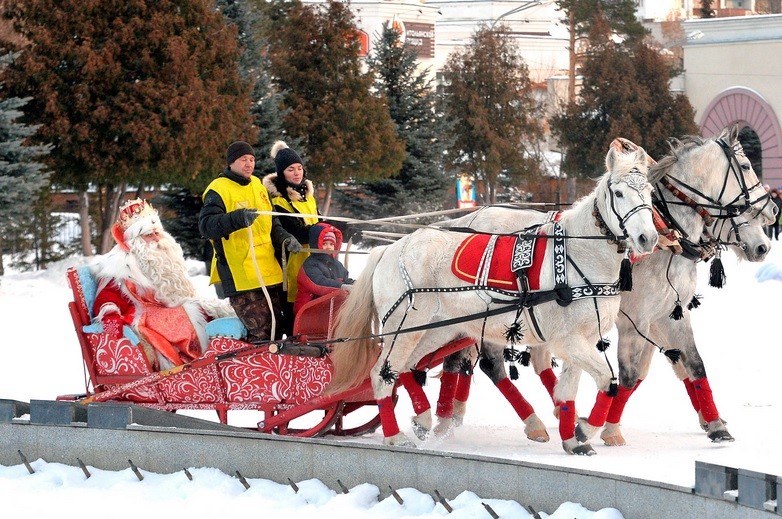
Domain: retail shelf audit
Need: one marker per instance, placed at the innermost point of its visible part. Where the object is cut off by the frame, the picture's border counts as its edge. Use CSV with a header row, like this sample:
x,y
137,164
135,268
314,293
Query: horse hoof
x,y
538,436
612,435
718,433
705,425
613,441
398,440
584,431
535,429
422,424
573,446
444,428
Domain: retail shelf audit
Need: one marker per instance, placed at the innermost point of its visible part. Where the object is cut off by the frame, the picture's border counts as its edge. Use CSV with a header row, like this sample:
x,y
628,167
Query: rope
x,y
260,280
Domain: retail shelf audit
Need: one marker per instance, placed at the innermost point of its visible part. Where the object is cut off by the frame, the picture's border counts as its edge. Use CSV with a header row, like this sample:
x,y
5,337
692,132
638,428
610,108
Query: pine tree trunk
x,y
84,223
571,82
572,187
110,213
327,201
2,268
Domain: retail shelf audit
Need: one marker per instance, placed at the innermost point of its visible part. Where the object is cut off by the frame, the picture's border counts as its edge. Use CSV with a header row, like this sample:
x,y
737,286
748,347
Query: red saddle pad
x,y
468,256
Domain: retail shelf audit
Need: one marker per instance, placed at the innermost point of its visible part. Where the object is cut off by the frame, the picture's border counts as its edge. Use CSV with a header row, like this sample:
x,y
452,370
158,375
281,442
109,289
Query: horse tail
x,y
357,317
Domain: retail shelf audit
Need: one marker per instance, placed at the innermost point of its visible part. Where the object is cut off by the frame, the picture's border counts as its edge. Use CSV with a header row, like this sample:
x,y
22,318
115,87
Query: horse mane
x,y
679,148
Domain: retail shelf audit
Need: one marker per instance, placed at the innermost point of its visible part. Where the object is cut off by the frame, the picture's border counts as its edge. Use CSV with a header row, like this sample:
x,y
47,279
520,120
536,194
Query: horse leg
x,y
389,368
541,363
493,365
449,381
422,421
460,399
695,371
565,394
708,414
634,355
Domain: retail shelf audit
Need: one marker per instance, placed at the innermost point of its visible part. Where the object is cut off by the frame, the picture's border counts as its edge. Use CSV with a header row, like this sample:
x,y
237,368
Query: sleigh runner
x,y
282,380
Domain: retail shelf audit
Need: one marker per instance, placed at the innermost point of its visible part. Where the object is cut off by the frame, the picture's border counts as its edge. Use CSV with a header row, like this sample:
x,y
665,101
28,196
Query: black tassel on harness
x,y
603,344
716,272
525,357
388,375
626,274
419,376
512,356
673,355
678,312
465,367
513,333
695,303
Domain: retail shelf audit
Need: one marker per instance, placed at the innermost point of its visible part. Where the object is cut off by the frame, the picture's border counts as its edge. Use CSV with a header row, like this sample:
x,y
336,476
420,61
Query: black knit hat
x,y
283,157
238,149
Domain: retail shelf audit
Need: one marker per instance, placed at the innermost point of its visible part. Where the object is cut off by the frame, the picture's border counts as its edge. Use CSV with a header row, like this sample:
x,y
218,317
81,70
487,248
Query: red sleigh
x,y
283,381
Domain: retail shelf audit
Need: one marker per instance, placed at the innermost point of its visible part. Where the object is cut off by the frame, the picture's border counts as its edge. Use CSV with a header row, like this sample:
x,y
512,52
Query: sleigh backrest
x,y
315,320
84,288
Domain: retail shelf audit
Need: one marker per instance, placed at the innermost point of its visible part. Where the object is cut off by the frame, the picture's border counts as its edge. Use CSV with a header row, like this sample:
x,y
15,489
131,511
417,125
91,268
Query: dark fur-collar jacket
x,y
292,194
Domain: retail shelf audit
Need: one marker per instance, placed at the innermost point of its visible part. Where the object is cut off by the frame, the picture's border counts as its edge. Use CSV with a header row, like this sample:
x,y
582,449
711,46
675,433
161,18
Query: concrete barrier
x,y
115,435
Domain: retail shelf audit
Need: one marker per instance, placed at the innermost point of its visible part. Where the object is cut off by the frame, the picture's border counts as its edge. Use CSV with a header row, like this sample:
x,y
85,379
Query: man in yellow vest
x,y
244,242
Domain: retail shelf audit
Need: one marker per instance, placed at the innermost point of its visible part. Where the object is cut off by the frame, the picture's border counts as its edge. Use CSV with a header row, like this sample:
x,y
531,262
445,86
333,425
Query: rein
x,y
706,248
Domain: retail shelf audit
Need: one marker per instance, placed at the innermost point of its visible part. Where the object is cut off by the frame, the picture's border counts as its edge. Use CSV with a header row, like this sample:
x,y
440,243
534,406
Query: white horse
x,y
726,206
713,198
411,287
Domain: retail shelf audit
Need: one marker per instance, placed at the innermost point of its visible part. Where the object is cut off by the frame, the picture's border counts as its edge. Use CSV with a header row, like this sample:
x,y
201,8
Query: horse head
x,y
745,231
626,206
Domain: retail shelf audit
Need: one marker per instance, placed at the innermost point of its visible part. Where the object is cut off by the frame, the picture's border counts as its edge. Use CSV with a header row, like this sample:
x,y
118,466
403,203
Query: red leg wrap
x,y
513,396
447,391
691,393
618,405
705,399
597,418
549,380
416,392
385,406
463,387
567,419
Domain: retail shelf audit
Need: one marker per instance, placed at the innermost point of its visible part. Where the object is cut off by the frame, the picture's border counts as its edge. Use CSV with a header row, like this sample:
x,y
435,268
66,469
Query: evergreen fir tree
x,y
624,94
346,130
133,92
421,184
181,220
254,66
22,178
496,119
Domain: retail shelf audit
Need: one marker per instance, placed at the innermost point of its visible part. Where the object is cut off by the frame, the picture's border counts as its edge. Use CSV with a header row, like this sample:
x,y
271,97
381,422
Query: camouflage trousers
x,y
253,310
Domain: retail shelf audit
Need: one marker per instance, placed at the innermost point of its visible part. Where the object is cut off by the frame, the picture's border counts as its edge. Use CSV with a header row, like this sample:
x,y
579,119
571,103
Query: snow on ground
x,y
735,328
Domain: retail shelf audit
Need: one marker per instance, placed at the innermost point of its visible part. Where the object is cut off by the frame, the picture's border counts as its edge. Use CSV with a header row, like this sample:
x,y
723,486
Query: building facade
x,y
733,75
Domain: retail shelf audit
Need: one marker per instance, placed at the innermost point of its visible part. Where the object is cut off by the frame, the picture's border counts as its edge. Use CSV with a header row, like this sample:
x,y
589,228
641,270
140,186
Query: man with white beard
x,y
143,283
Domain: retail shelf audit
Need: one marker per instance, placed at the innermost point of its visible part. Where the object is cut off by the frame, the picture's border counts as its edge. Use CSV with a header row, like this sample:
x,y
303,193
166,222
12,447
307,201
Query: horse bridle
x,y
637,181
725,211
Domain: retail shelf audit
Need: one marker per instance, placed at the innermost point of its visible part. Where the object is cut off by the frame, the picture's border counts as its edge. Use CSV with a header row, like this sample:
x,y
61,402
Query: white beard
x,y
163,265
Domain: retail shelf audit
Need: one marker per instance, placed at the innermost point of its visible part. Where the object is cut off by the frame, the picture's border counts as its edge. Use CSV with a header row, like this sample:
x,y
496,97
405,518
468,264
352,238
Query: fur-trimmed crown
x,y
134,210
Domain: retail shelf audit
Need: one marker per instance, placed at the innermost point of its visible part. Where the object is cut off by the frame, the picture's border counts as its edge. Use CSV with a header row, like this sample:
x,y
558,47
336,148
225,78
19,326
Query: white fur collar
x,y
292,195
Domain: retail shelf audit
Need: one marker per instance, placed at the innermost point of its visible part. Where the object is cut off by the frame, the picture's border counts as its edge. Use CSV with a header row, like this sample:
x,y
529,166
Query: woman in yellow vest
x,y
292,193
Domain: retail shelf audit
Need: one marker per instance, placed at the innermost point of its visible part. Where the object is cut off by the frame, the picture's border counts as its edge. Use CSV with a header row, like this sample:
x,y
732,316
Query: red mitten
x,y
112,325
